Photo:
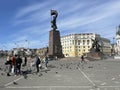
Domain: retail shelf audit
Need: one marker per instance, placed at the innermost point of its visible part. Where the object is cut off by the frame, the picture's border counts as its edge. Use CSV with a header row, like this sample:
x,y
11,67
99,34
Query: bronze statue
x,y
96,45
54,15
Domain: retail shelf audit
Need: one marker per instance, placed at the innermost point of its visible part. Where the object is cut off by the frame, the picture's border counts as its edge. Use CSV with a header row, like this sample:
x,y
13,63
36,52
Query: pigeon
x,y
56,72
15,83
2,74
25,76
76,67
60,67
40,74
66,66
90,67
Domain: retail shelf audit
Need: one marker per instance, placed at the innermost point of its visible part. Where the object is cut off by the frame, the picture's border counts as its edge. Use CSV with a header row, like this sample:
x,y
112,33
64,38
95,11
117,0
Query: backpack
x,y
38,61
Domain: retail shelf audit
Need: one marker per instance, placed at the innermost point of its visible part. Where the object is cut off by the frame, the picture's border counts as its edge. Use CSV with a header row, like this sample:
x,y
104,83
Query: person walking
x,y
82,59
46,61
13,59
8,64
25,61
37,63
18,64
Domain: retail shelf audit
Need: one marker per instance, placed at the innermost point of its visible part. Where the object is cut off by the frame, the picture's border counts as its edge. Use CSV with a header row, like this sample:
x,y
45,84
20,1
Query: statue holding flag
x,y
54,15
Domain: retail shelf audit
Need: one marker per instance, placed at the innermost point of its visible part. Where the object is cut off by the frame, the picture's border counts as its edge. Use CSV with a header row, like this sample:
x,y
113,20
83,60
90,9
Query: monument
x,y
55,48
95,51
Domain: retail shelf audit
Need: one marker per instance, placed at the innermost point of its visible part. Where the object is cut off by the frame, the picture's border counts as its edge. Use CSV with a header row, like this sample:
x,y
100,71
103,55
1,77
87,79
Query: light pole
x,y
27,43
113,46
28,48
17,46
113,40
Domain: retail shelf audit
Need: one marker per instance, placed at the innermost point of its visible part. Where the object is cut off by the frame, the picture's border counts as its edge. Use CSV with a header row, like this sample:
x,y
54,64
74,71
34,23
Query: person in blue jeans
x,y
46,61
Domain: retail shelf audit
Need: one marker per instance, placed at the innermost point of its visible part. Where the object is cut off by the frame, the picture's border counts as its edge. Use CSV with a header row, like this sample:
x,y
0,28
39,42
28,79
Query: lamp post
x,y
28,48
16,51
17,46
113,40
28,43
113,46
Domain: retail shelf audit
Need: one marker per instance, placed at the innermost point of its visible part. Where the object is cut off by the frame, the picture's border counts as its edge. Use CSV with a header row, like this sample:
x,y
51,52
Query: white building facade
x,y
75,45
118,40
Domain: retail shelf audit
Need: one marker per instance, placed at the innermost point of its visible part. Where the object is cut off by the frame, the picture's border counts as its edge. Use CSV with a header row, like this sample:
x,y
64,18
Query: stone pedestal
x,y
55,48
94,55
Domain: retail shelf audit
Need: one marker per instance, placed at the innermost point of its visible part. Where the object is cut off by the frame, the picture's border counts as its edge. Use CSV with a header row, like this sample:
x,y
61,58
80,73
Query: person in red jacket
x,y
13,64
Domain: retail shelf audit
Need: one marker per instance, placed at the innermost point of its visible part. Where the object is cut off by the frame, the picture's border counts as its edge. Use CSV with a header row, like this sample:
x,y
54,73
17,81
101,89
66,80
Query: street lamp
x,y
27,43
113,47
113,40
17,46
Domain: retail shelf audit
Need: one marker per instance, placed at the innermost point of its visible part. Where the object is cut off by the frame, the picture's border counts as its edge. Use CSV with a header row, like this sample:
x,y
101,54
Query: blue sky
x,y
22,20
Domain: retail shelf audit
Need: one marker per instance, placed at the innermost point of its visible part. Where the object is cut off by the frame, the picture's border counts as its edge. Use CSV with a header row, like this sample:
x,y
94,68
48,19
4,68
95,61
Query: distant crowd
x,y
15,62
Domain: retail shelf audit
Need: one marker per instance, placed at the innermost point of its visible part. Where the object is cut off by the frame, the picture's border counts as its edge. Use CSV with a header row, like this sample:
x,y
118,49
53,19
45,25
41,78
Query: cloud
x,y
30,9
33,21
92,15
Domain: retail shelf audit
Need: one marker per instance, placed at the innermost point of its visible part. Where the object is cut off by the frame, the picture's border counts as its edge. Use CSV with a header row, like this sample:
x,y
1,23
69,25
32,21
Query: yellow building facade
x,y
74,45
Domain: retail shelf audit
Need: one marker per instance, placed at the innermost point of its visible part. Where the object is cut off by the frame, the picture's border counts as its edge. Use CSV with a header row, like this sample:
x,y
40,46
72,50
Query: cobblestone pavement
x,y
66,74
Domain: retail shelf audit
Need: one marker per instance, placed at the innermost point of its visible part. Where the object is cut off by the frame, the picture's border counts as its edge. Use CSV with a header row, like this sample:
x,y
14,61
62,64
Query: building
x,y
118,40
74,45
42,51
106,46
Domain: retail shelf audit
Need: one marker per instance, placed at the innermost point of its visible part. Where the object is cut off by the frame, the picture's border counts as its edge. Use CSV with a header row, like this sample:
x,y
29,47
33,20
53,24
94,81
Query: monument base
x,y
56,56
55,47
95,56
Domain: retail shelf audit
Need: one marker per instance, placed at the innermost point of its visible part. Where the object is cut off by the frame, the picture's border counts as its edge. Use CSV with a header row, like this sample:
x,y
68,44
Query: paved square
x,y
68,75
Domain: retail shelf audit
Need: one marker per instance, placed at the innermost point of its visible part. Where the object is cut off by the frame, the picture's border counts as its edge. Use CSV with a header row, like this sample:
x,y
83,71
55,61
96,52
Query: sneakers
x,y
8,74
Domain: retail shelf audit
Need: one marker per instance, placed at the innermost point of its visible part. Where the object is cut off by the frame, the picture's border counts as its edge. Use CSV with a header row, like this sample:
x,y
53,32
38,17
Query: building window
x,y
83,42
88,42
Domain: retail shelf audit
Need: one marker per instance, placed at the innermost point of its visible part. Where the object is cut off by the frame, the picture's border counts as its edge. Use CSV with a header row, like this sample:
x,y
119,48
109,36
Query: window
x,y
83,42
88,42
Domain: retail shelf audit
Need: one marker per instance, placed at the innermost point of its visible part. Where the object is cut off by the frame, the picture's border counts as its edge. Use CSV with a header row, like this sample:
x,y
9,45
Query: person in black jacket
x,y
25,60
37,62
82,59
18,64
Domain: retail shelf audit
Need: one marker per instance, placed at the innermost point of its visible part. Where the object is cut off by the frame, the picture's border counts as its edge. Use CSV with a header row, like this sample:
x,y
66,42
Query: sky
x,y
26,23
